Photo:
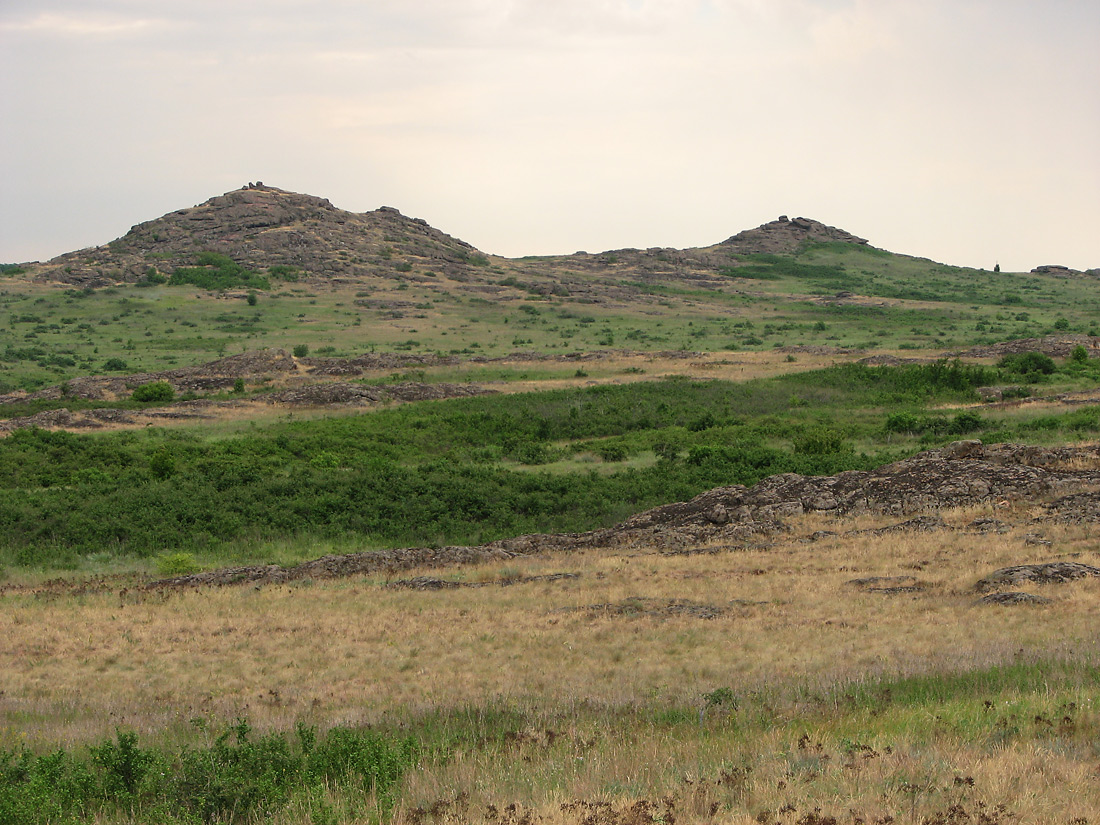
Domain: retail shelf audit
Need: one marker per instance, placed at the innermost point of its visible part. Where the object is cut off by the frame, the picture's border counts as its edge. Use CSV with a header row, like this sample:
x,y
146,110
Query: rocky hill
x,y
260,227
785,236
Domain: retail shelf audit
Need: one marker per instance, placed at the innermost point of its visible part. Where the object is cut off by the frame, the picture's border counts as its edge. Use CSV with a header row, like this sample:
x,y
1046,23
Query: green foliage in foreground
x,y
236,778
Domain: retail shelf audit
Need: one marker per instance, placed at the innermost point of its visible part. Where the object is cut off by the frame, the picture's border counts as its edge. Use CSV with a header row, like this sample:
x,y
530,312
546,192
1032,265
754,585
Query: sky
x,y
966,131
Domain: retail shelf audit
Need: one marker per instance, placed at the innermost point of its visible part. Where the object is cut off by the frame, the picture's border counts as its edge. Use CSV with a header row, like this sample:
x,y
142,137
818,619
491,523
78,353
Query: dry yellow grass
x,y
356,651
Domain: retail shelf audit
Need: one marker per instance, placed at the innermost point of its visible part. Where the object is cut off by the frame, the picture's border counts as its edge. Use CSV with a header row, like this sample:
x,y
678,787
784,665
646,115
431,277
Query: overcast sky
x,y
967,131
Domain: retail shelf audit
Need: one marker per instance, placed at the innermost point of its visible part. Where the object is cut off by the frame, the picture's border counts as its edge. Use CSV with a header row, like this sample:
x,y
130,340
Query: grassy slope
x,y
49,334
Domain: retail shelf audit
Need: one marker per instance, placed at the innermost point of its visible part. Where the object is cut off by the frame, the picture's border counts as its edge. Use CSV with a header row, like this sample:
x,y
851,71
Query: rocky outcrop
x,y
1056,572
966,473
1056,346
785,235
341,393
1057,270
260,227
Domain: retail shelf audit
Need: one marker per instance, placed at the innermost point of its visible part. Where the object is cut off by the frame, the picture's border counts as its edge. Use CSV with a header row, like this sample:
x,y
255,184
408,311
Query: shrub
x,y
966,422
819,441
1062,324
158,391
301,350
612,452
217,271
162,464
1030,365
284,272
1079,355
115,365
903,422
177,564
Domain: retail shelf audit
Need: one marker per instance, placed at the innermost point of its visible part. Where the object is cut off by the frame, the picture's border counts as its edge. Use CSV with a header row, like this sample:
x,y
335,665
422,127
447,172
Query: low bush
x,y
218,272
155,392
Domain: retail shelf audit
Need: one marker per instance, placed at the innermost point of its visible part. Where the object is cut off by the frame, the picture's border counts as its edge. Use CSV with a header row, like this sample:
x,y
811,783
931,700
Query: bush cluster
x,y
217,271
236,778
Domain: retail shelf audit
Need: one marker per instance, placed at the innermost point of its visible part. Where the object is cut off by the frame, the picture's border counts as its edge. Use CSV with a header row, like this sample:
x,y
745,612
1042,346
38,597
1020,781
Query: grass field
x,y
747,682
48,334
579,695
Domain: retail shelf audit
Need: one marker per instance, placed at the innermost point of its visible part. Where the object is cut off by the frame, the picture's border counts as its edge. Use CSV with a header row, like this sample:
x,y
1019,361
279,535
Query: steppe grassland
x,y
355,650
50,335
617,704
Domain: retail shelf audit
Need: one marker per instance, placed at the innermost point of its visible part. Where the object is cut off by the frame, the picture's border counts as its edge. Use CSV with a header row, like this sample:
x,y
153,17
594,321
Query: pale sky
x,y
967,131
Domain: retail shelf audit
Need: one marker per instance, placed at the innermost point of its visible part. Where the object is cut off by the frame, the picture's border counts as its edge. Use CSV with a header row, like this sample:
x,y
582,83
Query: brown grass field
x,y
612,668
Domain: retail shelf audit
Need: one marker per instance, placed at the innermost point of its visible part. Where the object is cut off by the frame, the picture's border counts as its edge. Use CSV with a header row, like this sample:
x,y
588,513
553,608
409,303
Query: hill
x,y
260,227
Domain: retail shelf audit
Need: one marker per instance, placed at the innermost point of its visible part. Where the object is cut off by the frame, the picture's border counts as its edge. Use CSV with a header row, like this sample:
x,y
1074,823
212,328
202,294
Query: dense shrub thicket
x,y
453,472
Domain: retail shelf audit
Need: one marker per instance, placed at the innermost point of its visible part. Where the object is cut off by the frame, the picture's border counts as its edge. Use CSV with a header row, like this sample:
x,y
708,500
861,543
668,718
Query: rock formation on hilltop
x,y
785,235
259,227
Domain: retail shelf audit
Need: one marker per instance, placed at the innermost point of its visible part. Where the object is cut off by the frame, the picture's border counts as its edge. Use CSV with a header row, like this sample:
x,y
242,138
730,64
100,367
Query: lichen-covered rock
x,y
1013,598
1055,572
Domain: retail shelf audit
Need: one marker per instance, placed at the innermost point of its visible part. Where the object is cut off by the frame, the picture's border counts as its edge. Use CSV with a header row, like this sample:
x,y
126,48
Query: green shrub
x,y
1031,366
612,452
217,271
1079,355
177,564
903,422
284,272
157,391
115,365
819,441
301,350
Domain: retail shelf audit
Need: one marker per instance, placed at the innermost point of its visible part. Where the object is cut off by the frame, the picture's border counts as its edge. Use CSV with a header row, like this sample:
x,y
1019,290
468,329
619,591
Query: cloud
x,y
59,24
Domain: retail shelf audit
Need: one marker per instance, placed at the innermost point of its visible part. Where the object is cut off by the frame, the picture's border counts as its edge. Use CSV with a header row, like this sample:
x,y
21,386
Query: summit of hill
x,y
258,227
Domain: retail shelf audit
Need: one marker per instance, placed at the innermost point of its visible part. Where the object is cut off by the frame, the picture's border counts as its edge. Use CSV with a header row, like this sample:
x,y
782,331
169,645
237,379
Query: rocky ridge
x,y
260,227
966,473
